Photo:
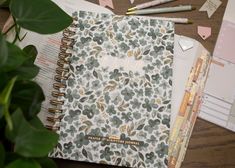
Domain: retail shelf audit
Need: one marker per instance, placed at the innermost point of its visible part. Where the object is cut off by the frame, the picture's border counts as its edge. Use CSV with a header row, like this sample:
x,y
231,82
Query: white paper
x,y
132,1
229,14
210,6
219,94
186,44
182,64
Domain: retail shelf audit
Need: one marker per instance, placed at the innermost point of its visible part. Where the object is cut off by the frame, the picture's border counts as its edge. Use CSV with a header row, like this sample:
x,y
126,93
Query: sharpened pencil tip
x,y
190,22
193,8
131,9
130,13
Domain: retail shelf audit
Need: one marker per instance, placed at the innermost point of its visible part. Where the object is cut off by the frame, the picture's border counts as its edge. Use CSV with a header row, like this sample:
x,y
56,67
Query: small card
x,y
224,47
185,44
106,3
204,32
210,6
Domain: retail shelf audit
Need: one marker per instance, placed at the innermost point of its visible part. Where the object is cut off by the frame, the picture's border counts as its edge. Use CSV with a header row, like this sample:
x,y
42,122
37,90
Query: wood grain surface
x,y
210,146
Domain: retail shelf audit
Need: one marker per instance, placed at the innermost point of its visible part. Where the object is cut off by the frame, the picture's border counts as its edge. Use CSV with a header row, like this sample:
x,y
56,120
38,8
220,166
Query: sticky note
x,y
204,32
224,47
210,6
106,3
185,44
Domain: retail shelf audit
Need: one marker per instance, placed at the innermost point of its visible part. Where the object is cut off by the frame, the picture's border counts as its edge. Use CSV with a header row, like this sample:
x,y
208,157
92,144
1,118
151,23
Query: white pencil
x,y
149,4
175,20
162,10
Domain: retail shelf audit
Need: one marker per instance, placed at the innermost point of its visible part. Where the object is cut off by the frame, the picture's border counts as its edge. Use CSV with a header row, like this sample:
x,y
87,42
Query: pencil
x,y
162,10
175,20
149,4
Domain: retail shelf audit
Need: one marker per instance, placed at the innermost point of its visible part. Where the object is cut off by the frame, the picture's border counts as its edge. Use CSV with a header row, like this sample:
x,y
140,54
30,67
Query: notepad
x,y
219,95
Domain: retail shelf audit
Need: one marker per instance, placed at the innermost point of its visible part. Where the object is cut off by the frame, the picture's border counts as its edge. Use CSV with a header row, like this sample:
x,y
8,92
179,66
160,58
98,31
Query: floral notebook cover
x,y
117,102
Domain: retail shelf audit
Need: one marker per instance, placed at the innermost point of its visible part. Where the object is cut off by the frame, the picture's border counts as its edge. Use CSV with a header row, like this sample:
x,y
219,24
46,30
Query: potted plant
x,y
24,141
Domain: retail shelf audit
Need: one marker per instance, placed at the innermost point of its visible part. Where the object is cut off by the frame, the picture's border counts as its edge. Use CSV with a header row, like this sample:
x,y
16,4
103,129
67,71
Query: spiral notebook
x,y
112,90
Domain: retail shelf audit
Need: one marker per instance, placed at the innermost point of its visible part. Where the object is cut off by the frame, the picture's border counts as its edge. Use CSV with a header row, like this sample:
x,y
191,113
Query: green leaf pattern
x,y
111,100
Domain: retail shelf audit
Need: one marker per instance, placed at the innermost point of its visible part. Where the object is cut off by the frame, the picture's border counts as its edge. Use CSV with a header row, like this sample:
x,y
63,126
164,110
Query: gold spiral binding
x,y
62,74
60,70
57,94
54,110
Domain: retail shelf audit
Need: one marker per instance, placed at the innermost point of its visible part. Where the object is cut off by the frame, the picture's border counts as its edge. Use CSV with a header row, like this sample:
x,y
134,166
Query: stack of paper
x,y
219,95
190,74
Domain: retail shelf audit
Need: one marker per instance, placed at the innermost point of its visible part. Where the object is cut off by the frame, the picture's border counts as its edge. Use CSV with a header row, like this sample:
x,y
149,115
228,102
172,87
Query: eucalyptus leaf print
x,y
80,69
115,74
96,132
115,121
156,78
90,111
95,84
135,104
127,116
72,94
99,38
68,148
72,116
152,34
127,93
106,153
119,37
162,150
134,23
111,110
92,63
150,157
147,105
124,47
80,140
84,42
166,72
118,96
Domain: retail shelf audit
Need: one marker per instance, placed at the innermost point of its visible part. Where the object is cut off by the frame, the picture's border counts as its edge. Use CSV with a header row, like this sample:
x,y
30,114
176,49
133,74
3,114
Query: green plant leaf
x,y
30,141
27,70
5,101
42,16
28,95
3,50
36,122
32,51
4,3
11,156
47,163
4,79
2,155
16,57
1,110
23,163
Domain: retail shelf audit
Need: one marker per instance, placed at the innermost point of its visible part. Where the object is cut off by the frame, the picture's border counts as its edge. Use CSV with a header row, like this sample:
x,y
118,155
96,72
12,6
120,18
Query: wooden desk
x,y
210,146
